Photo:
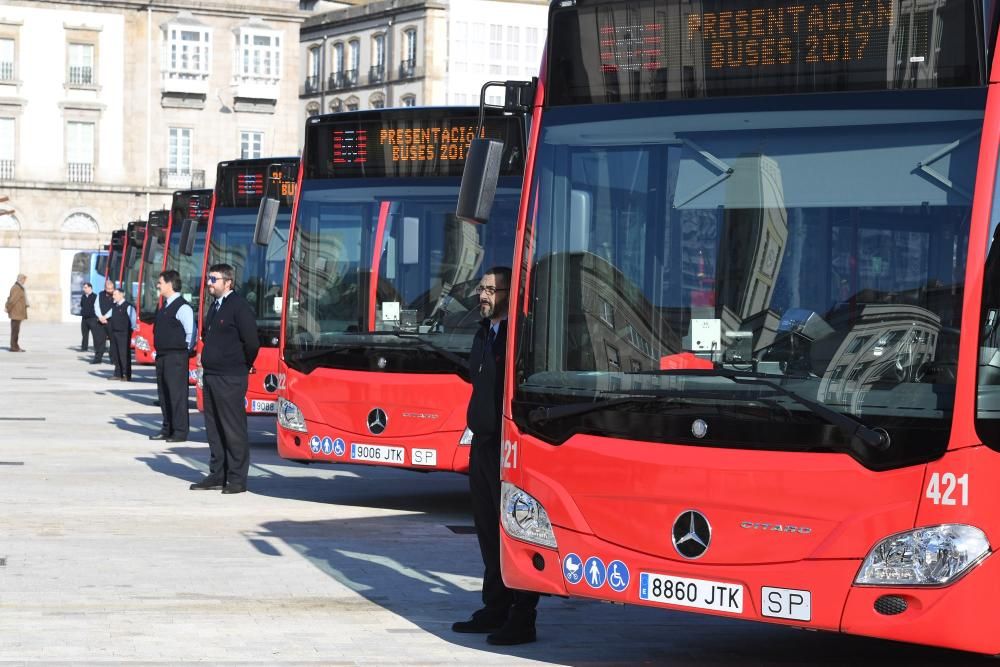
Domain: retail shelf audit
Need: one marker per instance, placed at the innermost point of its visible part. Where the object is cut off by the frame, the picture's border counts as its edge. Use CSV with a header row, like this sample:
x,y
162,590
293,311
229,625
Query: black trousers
x,y
15,332
100,334
172,390
484,483
85,332
226,427
121,354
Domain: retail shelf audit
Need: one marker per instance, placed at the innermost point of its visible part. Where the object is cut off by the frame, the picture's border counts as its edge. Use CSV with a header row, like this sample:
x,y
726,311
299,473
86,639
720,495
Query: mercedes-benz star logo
x,y
271,382
377,421
691,534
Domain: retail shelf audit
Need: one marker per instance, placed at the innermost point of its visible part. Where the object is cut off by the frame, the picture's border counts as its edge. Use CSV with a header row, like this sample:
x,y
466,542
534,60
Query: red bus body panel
x,y
424,411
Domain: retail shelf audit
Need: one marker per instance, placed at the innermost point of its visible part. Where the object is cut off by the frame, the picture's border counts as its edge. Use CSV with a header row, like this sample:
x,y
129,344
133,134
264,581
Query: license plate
x,y
790,603
264,406
378,454
697,593
423,457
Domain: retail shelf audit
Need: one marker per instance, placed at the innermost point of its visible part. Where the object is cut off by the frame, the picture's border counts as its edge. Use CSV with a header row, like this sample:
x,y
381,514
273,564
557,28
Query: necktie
x,y
215,307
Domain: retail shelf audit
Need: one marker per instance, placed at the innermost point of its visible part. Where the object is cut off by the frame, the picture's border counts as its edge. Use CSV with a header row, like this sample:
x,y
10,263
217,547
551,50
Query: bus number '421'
x,y
942,487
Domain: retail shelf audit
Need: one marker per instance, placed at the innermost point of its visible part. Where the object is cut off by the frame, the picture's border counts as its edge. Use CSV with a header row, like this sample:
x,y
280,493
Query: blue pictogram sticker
x,y
339,447
315,444
573,568
595,572
617,576
327,445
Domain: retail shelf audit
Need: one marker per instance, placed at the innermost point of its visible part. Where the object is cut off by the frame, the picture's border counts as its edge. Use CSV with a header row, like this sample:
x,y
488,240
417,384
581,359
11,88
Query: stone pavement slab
x,y
105,555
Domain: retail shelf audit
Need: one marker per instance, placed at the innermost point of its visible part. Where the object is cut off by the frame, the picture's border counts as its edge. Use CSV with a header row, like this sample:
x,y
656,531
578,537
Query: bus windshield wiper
x,y
875,438
461,364
543,414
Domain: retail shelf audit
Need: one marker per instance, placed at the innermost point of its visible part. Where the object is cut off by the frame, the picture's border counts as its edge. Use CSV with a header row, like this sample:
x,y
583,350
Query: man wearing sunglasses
x,y
508,615
227,356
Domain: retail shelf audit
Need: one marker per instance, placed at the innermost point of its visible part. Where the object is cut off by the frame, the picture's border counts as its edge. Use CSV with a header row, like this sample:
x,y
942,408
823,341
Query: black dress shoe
x,y
176,438
482,621
159,436
519,629
206,485
233,488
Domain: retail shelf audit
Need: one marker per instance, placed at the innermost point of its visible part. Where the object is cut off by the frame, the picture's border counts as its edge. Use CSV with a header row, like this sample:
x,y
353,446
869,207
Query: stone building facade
x,y
397,53
107,107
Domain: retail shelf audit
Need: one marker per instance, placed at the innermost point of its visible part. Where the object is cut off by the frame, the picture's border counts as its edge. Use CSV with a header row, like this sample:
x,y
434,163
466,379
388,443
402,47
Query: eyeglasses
x,y
214,279
489,289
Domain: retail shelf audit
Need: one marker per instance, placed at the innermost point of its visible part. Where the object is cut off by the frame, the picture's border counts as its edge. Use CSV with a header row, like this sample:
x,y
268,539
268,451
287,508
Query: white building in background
x,y
107,108
397,53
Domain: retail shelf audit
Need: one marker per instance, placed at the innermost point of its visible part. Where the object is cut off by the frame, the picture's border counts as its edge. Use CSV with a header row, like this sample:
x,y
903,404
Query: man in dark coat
x,y
88,317
509,615
230,348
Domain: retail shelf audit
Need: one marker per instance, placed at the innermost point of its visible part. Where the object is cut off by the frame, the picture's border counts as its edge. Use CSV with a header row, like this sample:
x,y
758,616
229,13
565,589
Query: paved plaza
x,y
105,555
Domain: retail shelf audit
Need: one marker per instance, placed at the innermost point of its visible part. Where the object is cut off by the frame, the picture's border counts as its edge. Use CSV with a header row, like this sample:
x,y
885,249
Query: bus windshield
x,y
149,296
421,313
259,271
188,267
734,236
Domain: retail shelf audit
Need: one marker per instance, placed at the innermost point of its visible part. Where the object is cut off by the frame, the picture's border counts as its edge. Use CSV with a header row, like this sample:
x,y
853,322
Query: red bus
x,y
135,235
381,278
116,250
148,298
189,213
239,190
754,354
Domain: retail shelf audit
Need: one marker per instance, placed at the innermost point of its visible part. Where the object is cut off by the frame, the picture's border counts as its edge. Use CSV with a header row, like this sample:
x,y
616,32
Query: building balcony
x,y
182,180
376,74
6,71
408,69
311,85
6,170
184,82
80,75
256,87
79,172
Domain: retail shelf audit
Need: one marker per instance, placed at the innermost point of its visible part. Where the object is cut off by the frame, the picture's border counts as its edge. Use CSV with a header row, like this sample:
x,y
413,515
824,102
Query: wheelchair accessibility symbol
x,y
617,576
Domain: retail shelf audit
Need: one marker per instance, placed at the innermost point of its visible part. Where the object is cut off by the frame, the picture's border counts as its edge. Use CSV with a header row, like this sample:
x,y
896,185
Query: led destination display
x,y
668,49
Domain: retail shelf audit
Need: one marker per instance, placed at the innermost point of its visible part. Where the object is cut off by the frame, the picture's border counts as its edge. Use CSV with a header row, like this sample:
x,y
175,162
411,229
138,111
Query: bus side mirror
x,y
102,265
130,255
267,215
152,246
188,228
479,180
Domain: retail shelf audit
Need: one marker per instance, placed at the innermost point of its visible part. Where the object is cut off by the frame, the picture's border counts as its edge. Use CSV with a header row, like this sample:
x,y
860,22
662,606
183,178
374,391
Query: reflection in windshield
x,y
259,270
150,295
189,267
428,263
841,266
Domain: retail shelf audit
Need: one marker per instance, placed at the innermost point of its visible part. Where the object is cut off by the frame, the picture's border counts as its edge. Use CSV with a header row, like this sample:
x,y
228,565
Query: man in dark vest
x,y
121,324
509,615
173,338
230,348
88,316
105,300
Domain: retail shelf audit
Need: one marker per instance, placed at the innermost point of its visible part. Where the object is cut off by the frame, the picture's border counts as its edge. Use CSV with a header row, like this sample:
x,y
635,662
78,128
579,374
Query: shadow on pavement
x,y
417,568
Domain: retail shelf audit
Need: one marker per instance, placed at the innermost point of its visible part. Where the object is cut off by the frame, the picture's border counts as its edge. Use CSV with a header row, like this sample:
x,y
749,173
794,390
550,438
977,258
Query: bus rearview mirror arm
x,y
188,228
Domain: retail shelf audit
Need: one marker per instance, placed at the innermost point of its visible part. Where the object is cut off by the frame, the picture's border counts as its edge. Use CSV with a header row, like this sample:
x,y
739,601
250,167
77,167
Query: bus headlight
x,y
290,417
524,518
930,556
141,344
466,438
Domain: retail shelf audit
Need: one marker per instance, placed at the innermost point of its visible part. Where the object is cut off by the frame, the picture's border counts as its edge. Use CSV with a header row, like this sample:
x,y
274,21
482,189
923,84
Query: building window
x,y
408,100
377,101
354,62
6,59
80,152
614,361
188,51
496,42
377,72
312,75
513,43
352,104
260,54
338,57
531,44
7,149
607,313
408,67
251,144
81,64
179,151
